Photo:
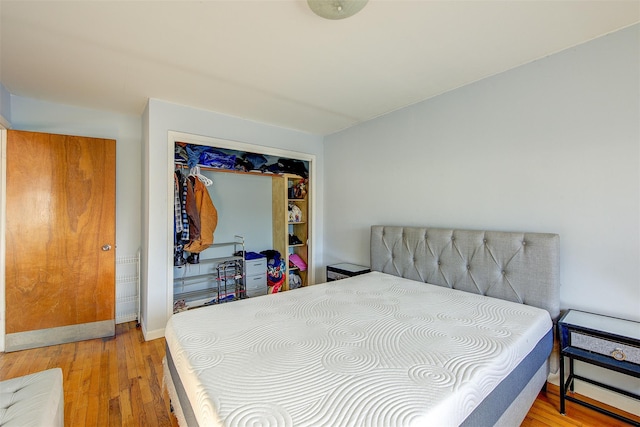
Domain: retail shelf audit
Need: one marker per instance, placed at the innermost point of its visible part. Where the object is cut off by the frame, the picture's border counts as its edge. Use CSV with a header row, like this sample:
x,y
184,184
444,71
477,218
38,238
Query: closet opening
x,y
250,187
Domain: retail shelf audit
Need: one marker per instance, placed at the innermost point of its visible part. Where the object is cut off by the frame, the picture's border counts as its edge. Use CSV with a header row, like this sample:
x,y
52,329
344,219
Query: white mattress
x,y
370,350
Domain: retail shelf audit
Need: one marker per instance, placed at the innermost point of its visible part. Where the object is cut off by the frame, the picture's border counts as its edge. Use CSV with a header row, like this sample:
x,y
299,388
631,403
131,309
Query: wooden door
x,y
60,239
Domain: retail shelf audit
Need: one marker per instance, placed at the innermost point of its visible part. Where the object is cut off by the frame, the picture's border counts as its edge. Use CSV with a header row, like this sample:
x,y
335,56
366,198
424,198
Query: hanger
x,y
195,171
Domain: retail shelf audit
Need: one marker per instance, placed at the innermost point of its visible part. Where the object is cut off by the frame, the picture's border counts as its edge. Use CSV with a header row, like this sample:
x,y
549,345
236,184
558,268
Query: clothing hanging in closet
x,y
195,216
208,215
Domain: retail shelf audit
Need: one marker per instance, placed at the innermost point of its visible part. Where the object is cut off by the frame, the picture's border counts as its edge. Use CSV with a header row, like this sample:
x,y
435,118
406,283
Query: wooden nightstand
x,y
608,342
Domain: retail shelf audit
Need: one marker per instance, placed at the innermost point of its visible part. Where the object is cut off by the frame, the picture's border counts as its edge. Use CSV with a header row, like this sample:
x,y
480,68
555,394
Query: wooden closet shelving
x,y
283,228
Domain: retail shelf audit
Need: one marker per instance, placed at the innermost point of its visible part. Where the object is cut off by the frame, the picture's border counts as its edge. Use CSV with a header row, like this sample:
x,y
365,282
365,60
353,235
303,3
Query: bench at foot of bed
x,y
33,400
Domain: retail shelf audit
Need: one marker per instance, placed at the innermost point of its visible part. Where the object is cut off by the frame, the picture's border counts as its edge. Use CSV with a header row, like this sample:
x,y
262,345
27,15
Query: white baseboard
x,y
151,335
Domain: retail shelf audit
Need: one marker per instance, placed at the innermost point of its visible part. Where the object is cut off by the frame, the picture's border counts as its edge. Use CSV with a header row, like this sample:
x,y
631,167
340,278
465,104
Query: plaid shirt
x,y
185,216
177,205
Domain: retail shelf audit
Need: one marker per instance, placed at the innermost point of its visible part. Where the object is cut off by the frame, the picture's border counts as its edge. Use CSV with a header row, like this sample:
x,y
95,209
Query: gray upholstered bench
x,y
33,400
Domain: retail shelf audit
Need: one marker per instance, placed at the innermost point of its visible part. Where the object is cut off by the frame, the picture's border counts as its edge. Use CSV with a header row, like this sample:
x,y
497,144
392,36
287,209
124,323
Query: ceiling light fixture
x,y
336,9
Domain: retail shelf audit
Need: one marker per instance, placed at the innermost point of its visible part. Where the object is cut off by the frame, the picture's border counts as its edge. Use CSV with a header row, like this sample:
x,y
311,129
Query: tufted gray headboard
x,y
521,267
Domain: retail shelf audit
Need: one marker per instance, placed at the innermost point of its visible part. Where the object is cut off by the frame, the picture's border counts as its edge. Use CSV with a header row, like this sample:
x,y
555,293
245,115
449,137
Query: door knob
x,y
106,247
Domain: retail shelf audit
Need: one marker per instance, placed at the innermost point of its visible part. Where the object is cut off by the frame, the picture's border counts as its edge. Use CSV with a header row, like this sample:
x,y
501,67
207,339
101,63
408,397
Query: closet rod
x,y
256,173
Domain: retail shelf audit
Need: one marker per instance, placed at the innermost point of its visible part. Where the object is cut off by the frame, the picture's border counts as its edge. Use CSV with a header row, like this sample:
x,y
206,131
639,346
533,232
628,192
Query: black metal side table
x,y
344,270
607,342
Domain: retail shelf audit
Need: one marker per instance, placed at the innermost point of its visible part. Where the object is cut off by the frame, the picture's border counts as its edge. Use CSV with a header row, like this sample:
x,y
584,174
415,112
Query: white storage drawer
x,y
256,266
256,285
256,279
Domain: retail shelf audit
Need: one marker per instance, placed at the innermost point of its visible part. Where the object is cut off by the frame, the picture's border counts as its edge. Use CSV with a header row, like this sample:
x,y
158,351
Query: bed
x,y
451,327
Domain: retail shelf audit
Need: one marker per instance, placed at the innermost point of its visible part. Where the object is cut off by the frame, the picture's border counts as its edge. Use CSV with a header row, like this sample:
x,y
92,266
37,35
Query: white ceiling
x,y
274,61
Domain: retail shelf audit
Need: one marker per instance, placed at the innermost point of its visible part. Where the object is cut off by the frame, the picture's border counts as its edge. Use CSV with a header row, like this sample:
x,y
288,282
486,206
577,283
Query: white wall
x,y
162,117
244,205
5,107
552,146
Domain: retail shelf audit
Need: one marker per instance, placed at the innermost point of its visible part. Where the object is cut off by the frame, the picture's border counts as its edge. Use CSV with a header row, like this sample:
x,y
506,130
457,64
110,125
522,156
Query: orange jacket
x,y
208,219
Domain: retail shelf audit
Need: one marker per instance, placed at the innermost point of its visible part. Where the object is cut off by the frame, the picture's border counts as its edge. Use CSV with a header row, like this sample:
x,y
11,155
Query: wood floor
x,y
118,382
107,382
